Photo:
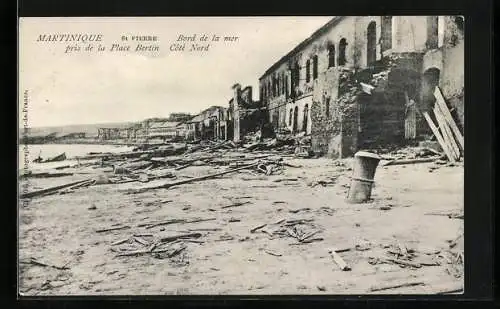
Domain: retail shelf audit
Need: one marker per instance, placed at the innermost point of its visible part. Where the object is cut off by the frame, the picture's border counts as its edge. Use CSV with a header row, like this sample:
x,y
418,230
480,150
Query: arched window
x,y
297,74
290,117
342,48
371,43
283,77
386,30
295,78
304,122
331,55
308,70
287,93
269,88
279,83
327,107
432,32
315,66
275,85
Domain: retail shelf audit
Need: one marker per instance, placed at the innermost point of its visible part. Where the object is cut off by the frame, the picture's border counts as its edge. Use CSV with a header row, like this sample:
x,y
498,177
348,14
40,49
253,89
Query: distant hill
x,y
88,129
91,129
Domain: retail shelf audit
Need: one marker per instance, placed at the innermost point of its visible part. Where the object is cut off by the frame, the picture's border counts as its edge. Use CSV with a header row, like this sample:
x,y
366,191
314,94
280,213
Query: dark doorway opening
x,y
306,115
342,52
295,119
371,44
430,81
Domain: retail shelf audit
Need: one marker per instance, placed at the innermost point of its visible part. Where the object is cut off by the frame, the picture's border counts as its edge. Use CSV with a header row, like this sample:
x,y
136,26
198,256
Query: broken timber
x,y
340,262
411,161
446,133
181,182
113,229
447,115
436,133
35,262
174,221
255,229
395,286
236,204
51,189
181,236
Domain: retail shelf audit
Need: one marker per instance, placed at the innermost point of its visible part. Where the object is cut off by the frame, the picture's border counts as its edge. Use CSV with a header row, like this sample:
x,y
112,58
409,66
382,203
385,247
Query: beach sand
x,y
61,230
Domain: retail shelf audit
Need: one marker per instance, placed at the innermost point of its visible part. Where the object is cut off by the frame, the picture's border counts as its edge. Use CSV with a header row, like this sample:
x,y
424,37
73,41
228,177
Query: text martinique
x,y
78,37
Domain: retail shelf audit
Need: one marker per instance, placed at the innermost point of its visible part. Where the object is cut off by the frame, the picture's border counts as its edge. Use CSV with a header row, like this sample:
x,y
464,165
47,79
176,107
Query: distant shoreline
x,y
83,142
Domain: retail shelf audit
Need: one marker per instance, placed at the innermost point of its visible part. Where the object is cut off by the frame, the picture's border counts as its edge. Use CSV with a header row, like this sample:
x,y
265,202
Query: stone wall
x,y
326,115
449,60
335,122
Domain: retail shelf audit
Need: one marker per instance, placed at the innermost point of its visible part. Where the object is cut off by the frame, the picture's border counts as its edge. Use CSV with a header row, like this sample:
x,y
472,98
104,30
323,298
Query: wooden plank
x,y
447,115
410,161
338,259
51,189
446,132
395,286
186,181
438,136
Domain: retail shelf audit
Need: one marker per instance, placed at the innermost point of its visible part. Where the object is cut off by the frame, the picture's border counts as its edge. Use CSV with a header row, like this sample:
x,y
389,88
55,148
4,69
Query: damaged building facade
x,y
245,113
242,116
206,125
363,81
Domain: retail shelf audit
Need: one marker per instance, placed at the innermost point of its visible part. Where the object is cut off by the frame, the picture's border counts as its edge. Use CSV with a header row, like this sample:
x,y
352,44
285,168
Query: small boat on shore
x,y
57,158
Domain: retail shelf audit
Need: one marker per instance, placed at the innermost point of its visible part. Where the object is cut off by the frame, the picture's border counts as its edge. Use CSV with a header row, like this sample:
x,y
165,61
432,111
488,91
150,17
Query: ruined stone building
x,y
362,81
166,130
129,133
245,112
108,133
205,125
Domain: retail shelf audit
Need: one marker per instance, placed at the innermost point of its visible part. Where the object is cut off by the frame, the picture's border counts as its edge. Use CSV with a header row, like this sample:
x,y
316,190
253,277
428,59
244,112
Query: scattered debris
x,y
255,229
113,229
294,211
54,189
34,261
451,215
236,204
338,259
272,253
395,286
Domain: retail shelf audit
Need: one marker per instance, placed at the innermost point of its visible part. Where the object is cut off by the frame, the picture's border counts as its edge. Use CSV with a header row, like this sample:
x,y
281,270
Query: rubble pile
x,y
408,153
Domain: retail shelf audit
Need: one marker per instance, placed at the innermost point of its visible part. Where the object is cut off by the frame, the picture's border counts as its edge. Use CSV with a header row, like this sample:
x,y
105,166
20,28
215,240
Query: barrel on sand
x,y
365,165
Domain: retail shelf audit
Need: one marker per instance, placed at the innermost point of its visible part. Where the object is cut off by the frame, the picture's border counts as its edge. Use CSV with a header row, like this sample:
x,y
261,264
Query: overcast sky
x,y
91,87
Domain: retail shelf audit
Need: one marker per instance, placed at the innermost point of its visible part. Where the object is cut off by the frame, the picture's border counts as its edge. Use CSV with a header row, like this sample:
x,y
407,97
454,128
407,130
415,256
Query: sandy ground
x,y
61,230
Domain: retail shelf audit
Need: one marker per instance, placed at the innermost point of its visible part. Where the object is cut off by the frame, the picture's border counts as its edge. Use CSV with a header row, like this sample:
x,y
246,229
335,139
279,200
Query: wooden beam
x,y
447,115
446,132
186,181
439,137
51,189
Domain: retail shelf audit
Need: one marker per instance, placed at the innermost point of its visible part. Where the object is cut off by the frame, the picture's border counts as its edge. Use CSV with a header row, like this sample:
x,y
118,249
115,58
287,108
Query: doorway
x,y
371,45
295,119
